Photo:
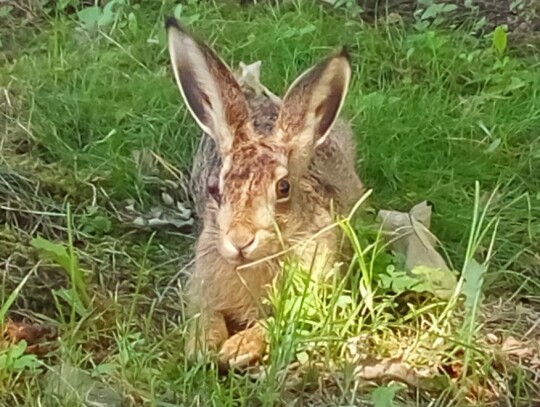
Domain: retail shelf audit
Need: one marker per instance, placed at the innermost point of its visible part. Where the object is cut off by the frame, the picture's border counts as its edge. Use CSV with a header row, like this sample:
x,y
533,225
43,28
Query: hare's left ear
x,y
312,104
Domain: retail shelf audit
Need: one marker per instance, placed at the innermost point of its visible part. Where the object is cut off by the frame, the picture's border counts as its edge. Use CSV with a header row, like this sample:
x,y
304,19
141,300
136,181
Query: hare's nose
x,y
248,242
241,238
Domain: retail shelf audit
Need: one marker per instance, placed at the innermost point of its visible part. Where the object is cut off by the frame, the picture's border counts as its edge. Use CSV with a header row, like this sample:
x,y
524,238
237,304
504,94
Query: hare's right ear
x,y
311,106
209,88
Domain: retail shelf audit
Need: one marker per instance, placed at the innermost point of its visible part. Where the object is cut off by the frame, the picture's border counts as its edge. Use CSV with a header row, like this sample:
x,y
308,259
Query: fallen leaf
x,y
454,369
40,339
513,347
248,77
410,236
387,369
479,394
18,331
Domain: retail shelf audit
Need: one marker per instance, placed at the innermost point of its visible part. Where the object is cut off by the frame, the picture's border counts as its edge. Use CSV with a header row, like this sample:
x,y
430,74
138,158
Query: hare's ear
x,y
208,87
312,104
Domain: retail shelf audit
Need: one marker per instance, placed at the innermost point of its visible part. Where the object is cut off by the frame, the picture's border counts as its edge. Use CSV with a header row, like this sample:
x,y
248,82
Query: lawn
x,y
97,234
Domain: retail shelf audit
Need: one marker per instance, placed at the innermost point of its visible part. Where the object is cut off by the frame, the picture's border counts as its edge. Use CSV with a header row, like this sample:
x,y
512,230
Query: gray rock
x,y
73,386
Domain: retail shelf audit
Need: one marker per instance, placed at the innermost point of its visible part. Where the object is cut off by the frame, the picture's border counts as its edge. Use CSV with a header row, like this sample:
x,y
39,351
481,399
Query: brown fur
x,y
250,144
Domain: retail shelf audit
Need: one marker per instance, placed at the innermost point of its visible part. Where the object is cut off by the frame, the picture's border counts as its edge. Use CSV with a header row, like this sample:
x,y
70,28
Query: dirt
x,y
520,16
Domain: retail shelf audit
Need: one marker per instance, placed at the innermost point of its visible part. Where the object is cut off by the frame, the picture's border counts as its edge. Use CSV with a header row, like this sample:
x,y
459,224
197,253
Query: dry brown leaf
x,y
387,369
39,338
410,235
477,393
521,349
454,369
31,333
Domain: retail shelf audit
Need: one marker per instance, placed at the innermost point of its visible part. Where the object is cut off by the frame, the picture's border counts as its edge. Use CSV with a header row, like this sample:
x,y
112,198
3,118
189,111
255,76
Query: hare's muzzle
x,y
239,243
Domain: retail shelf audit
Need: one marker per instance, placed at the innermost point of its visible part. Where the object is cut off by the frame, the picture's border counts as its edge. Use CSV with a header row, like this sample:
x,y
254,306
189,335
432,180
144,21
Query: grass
x,y
434,113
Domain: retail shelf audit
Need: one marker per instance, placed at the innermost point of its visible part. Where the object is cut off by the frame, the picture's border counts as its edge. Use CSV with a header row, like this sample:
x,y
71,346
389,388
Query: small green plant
x,y
351,6
95,221
517,5
183,13
384,396
61,5
5,11
78,295
14,360
96,17
439,283
500,40
431,13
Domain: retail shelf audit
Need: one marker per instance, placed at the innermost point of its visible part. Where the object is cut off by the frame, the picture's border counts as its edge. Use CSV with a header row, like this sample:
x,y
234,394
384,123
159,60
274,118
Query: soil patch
x,y
520,16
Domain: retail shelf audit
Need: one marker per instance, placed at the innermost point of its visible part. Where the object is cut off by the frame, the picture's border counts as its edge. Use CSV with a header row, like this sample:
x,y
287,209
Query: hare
x,y
269,175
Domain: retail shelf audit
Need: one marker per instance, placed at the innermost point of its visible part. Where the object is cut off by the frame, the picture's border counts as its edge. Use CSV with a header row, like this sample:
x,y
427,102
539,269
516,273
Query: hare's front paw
x,y
244,348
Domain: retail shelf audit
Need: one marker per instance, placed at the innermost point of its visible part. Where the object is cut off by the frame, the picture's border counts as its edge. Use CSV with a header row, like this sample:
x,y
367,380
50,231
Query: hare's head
x,y
258,189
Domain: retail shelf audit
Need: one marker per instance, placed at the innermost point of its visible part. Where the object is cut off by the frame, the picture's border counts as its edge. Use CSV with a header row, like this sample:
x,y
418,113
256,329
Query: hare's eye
x,y
283,189
213,190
